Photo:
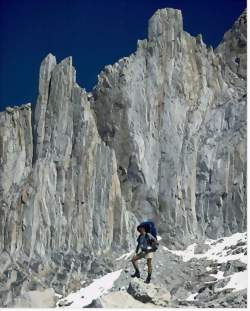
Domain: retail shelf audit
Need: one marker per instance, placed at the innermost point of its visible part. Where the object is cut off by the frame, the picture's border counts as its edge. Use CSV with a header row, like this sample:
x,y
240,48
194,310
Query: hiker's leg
x,y
135,263
149,263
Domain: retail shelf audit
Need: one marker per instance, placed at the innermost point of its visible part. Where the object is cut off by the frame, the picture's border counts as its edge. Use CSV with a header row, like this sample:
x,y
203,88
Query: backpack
x,y
149,227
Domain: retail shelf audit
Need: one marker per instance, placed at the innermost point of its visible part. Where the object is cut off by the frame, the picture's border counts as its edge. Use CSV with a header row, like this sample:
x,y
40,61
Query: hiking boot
x,y
136,274
148,279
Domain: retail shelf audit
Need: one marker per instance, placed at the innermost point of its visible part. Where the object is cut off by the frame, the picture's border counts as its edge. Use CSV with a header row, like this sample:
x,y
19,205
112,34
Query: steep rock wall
x,y
61,204
175,114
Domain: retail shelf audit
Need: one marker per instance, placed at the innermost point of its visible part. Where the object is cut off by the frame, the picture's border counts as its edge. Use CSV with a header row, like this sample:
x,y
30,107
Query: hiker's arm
x,y
153,240
137,248
138,244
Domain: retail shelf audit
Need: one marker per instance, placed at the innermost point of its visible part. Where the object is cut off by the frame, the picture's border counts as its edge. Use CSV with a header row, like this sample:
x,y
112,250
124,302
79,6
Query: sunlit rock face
x,y
175,114
61,203
162,137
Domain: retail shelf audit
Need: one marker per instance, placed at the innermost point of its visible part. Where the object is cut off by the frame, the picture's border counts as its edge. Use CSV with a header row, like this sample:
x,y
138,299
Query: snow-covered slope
x,y
85,295
222,265
217,249
223,251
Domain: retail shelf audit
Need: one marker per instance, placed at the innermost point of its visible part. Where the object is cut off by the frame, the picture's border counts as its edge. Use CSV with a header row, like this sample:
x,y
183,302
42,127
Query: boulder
x,y
122,300
36,299
95,303
149,293
233,266
201,248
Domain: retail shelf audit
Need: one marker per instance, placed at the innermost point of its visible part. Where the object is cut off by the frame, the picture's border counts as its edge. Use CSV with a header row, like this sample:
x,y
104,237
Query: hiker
x,y
147,244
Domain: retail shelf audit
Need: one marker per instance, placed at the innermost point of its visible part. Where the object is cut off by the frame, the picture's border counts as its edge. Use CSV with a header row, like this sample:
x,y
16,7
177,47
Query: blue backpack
x,y
149,227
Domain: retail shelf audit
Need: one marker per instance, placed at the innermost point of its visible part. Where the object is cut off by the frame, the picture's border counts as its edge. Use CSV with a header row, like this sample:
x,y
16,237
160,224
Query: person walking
x,y
146,245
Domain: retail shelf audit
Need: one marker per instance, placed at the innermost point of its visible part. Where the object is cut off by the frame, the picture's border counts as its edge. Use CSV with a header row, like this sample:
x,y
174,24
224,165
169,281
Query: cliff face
x,y
162,136
175,114
61,203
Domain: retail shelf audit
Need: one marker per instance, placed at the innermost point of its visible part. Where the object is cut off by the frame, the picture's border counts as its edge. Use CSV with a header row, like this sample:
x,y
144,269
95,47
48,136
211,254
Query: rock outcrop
x,y
114,299
36,299
149,293
162,136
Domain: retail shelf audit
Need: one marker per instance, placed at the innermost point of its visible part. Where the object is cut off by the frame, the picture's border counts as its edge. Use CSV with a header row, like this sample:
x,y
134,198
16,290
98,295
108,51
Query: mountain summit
x,y
162,137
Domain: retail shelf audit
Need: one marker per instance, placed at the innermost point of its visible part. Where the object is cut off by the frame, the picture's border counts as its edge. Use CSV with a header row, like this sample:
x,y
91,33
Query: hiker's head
x,y
141,229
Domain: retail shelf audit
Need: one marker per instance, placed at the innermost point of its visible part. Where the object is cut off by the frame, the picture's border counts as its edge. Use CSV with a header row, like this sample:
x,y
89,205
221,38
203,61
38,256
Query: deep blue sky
x,y
94,32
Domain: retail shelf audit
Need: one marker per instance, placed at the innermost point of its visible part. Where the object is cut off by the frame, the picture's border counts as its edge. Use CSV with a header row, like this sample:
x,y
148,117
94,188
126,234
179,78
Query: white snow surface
x,y
96,289
238,281
191,297
216,252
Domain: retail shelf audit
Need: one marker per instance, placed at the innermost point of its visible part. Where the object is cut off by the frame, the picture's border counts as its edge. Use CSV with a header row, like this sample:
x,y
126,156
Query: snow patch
x,y
219,275
238,281
218,249
192,297
85,295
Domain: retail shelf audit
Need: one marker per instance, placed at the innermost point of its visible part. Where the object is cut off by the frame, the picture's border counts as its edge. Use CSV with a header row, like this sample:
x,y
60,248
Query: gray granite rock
x,y
233,266
224,299
96,303
175,114
149,293
61,200
36,299
121,300
201,248
162,137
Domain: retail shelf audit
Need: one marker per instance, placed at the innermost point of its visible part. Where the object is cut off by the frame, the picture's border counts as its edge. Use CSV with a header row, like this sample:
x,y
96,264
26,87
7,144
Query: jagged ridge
x,y
162,137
